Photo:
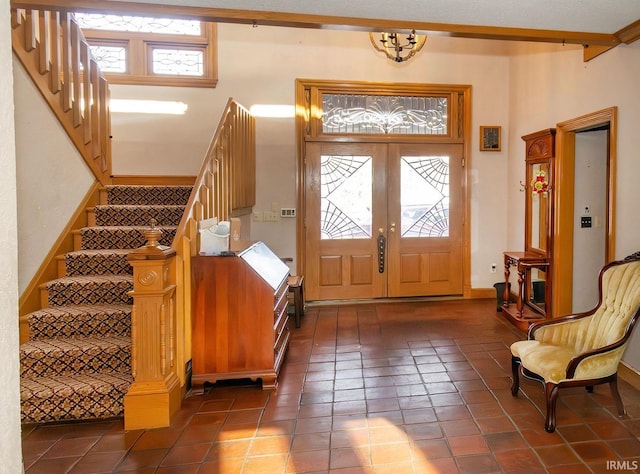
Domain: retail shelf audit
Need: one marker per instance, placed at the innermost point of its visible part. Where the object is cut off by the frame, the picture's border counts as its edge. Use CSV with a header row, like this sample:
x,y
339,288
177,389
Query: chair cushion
x,y
547,360
550,361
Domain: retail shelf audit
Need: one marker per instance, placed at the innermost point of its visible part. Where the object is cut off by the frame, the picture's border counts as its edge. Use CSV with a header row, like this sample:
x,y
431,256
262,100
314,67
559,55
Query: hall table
x,y
523,262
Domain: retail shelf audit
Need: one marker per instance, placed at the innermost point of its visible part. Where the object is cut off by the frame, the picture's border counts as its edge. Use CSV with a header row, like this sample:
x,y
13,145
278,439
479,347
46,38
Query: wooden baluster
x,y
74,35
45,41
155,395
85,101
67,99
56,55
30,42
105,120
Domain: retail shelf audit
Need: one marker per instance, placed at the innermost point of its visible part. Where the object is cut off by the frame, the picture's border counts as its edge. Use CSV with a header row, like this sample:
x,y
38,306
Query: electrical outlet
x,y
493,267
257,216
270,216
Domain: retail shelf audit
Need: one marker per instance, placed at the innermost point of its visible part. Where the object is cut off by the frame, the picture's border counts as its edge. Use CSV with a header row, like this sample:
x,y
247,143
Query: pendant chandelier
x,y
391,45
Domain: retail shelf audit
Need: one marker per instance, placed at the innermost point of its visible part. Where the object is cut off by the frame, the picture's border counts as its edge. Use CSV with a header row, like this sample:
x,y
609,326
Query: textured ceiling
x,y
593,16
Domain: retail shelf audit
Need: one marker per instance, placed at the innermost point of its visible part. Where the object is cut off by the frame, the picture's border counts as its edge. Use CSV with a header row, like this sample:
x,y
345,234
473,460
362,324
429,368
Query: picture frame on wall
x,y
490,138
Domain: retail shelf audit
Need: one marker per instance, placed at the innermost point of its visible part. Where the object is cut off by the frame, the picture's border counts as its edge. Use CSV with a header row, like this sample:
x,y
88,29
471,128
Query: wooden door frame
x,y
307,130
563,196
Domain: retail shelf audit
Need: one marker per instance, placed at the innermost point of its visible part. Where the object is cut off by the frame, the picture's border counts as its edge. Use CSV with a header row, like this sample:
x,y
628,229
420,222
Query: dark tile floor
x,y
410,387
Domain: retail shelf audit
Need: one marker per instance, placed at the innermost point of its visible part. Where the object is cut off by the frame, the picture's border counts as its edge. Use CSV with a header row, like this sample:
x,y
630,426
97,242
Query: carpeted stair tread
x,y
148,194
76,355
121,237
73,397
89,289
76,364
110,215
79,320
98,262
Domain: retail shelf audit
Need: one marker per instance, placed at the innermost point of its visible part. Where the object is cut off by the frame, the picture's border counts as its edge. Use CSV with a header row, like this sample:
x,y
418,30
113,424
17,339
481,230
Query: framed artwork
x,y
490,139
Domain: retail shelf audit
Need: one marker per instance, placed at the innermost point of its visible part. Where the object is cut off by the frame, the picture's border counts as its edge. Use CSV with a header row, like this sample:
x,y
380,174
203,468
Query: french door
x,y
383,220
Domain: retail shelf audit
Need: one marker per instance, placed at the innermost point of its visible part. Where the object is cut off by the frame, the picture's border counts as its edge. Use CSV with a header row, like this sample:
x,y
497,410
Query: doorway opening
x,y
584,202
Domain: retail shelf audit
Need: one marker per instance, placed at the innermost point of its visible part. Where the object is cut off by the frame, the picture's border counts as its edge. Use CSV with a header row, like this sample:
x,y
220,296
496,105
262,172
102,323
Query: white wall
x,y
550,86
260,65
53,178
589,243
10,439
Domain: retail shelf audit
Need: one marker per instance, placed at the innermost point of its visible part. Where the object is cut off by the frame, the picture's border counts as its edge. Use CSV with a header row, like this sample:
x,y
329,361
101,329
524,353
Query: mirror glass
x,y
536,281
538,199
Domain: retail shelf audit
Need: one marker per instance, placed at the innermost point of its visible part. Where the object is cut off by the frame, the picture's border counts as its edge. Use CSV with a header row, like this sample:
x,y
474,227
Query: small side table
x,y
295,287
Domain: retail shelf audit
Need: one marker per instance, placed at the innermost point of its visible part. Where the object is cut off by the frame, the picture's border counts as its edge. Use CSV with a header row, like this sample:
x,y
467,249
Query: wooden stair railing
x,y
54,52
161,317
224,187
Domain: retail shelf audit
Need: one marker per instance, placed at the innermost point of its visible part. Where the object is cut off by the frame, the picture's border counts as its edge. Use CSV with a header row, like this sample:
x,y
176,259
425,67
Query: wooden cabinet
x,y
533,299
239,316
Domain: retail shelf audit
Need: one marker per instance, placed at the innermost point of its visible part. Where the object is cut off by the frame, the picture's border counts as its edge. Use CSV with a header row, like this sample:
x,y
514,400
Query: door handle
x,y
382,243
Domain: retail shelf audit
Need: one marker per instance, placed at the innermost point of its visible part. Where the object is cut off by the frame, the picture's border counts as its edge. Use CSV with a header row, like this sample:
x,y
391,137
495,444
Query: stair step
x,y
118,237
55,357
121,194
116,215
76,363
73,397
79,320
88,289
97,262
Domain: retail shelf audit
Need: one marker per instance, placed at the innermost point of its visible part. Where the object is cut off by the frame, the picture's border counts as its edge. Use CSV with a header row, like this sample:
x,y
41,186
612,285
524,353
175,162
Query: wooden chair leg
x,y
613,385
551,391
515,365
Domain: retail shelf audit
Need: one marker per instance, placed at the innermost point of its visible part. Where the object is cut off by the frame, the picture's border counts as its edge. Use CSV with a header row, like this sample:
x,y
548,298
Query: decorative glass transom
x,y
424,201
381,114
345,197
138,24
180,62
110,58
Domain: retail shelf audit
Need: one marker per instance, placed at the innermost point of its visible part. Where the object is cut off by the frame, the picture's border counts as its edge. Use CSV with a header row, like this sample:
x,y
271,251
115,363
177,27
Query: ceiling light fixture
x,y
394,49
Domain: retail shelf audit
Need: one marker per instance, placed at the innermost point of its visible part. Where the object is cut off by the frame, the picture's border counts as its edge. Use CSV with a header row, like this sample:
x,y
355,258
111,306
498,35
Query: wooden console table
x,y
523,314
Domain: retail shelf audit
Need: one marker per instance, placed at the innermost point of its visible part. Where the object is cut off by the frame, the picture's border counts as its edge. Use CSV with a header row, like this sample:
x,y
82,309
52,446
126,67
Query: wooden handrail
x,y
225,186
51,47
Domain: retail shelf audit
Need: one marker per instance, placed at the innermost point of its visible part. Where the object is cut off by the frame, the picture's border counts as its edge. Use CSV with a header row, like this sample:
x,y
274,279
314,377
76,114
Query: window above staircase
x,y
152,51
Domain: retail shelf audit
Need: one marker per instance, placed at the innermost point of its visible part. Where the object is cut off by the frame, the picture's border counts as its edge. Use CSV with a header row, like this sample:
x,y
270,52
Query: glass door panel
x,y
424,196
345,197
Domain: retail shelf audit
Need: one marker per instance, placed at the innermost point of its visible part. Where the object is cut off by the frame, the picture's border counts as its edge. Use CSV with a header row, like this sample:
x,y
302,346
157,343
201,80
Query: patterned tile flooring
x,y
389,387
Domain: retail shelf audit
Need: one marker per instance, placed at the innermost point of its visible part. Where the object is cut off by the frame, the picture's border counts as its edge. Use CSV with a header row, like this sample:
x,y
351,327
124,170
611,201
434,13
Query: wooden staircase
x,y
76,363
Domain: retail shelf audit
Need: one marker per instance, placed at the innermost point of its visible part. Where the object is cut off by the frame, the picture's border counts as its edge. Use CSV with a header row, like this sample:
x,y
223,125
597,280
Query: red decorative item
x,y
539,183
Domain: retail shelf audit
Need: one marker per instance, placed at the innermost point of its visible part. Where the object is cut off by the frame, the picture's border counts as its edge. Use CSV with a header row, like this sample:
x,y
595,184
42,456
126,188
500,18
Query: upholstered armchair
x,y
583,349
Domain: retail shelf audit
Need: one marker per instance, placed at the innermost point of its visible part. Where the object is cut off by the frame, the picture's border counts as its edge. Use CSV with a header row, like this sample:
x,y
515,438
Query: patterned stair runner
x,y
76,364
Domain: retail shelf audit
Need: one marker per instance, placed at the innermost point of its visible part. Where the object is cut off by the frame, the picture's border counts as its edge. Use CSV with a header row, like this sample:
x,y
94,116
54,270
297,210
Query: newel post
x,y
155,395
